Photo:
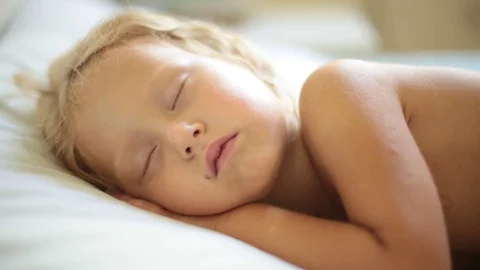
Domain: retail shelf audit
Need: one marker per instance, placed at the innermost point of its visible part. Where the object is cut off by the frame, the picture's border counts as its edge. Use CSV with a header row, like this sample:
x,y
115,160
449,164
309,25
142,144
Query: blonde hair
x,y
58,101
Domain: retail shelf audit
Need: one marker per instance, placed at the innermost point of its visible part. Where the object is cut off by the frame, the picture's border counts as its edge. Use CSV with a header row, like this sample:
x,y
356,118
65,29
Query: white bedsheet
x,y
52,220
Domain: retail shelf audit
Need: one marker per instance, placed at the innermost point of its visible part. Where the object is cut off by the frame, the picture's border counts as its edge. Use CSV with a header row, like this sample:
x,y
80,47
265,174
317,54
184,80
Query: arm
x,y
355,128
303,240
354,125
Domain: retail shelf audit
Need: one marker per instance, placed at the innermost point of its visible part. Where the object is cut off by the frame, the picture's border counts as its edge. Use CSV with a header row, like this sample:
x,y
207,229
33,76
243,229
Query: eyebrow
x,y
173,68
158,76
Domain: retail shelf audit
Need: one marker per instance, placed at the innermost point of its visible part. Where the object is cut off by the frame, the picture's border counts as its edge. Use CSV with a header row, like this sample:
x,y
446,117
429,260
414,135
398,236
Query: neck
x,y
299,187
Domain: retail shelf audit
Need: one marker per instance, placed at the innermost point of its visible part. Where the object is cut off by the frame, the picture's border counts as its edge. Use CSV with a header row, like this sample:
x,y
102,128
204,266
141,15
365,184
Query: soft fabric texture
x,y
52,220
8,8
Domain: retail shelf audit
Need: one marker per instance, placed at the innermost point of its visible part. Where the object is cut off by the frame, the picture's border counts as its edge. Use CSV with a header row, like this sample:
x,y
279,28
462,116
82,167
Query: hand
x,y
209,222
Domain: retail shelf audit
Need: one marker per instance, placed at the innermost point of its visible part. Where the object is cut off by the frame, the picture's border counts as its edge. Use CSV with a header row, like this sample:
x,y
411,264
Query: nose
x,y
184,137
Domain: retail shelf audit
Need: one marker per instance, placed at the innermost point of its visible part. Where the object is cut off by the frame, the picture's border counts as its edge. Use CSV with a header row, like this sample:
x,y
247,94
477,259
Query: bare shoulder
x,y
349,80
348,75
439,106
357,71
353,125
414,87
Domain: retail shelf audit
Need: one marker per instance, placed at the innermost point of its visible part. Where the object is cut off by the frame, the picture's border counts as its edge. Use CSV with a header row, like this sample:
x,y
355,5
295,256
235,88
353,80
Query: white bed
x,y
52,220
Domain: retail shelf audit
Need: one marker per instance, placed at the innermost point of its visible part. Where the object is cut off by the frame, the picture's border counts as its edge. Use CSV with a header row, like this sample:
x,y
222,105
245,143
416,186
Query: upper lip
x,y
213,152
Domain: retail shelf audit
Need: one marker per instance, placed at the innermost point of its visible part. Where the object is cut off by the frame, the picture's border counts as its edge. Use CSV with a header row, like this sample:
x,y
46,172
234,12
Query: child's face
x,y
155,138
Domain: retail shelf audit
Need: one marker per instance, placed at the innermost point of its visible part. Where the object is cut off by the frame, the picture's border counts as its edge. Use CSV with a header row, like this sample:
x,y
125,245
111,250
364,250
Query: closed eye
x,y
148,161
178,93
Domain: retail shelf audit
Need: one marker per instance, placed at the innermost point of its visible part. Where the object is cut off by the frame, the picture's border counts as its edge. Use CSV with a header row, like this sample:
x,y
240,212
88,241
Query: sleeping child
x,y
371,166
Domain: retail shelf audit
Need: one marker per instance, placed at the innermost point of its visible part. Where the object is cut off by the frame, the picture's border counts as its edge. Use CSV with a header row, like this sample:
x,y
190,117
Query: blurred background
x,y
338,28
345,27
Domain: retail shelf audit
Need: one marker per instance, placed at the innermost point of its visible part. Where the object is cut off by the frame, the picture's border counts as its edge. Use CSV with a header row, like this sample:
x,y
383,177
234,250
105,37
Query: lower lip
x,y
227,150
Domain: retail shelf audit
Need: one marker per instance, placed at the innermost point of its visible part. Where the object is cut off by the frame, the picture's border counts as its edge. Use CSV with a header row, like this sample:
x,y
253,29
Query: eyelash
x,y
147,163
178,94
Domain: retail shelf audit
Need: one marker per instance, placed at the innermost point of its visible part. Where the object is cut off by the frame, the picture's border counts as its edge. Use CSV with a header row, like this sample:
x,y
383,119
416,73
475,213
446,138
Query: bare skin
x,y
442,110
445,122
383,167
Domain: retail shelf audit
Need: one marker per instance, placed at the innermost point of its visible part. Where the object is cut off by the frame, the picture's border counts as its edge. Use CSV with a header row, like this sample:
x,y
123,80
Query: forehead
x,y
114,79
137,59
124,74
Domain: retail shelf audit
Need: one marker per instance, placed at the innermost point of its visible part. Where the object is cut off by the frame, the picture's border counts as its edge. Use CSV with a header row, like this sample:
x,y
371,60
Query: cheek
x,y
237,112
185,192
239,94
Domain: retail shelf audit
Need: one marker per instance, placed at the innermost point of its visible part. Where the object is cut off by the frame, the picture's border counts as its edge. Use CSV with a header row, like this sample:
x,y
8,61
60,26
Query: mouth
x,y
218,152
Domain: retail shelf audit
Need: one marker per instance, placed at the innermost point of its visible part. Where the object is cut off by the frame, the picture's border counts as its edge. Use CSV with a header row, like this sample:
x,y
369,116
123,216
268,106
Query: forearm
x,y
312,243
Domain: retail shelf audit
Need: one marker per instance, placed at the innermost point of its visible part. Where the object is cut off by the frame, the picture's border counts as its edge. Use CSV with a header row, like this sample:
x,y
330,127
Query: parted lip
x,y
214,151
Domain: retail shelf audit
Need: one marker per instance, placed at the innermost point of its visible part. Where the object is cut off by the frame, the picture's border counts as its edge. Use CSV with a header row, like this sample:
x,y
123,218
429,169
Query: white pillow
x,y
8,8
52,220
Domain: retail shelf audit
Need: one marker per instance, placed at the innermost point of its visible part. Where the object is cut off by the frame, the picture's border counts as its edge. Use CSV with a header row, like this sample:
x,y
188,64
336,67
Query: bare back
x,y
445,122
